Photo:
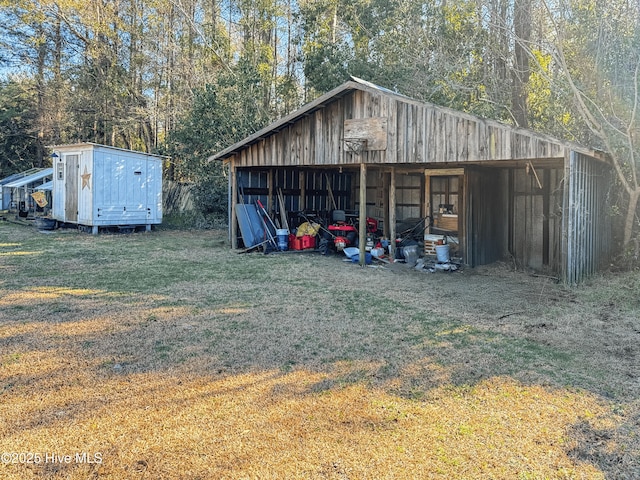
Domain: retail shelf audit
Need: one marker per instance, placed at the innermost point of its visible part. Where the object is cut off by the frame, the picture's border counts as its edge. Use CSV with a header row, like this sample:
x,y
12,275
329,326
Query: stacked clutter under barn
x,y
270,222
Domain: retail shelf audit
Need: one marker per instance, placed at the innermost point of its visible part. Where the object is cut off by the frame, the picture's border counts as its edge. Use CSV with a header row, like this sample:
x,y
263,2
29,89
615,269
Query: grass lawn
x,y
166,355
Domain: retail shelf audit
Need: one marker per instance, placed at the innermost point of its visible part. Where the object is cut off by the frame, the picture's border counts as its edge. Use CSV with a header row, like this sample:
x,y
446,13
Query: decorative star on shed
x,y
86,177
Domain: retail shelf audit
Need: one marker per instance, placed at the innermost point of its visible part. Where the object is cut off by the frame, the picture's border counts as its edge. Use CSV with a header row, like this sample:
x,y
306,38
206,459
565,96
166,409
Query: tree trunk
x,y
630,217
521,72
40,86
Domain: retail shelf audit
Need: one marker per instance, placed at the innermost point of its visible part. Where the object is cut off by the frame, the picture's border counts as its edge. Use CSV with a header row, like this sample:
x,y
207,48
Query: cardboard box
x,y
446,221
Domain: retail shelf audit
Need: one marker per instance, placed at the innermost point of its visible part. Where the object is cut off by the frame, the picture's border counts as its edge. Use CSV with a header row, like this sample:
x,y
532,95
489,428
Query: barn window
x,y
444,194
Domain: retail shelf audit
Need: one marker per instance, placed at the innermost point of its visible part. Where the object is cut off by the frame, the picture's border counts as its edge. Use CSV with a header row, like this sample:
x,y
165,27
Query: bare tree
x,y
602,77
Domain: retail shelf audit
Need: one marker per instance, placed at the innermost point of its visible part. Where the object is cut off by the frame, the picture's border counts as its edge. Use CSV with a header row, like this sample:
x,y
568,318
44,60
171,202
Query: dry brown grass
x,y
173,358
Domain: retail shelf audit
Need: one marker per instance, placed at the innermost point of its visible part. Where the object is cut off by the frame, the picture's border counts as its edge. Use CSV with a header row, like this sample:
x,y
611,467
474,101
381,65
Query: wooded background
x,y
187,78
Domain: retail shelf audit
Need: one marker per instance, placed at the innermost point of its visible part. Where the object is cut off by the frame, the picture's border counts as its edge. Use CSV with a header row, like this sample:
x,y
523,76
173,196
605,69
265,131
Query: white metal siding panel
x,y
154,190
86,187
128,189
58,192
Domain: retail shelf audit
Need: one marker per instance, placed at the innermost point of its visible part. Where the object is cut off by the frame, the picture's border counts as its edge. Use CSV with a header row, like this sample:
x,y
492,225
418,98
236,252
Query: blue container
x,y
283,239
368,258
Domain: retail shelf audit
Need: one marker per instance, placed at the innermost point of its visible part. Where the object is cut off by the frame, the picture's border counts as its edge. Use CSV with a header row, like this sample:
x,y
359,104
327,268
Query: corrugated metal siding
x,y
487,215
586,220
536,215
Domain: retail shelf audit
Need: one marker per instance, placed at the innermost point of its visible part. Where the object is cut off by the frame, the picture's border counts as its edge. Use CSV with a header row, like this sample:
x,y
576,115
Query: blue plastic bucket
x,y
283,238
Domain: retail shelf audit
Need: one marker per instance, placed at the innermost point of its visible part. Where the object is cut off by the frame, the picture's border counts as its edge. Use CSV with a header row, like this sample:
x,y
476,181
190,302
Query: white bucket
x,y
283,238
442,253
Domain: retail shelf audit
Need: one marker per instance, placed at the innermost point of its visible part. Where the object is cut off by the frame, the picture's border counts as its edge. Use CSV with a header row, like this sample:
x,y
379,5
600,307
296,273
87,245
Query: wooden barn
x,y
499,191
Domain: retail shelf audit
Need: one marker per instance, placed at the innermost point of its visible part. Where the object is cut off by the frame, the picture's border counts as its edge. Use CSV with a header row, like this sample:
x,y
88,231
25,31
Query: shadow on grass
x,y
168,330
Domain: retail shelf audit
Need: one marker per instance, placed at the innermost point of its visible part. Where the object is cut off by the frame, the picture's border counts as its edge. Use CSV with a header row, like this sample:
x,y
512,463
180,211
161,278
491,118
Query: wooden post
x,y
270,188
385,204
362,234
546,215
234,199
427,200
392,213
302,181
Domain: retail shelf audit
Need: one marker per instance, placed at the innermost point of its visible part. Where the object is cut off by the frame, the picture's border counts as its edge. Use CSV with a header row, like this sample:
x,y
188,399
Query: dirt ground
x,y
167,355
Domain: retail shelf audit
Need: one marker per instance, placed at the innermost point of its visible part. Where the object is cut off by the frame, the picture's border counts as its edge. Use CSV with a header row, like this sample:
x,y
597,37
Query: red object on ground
x,y
295,243
308,241
301,243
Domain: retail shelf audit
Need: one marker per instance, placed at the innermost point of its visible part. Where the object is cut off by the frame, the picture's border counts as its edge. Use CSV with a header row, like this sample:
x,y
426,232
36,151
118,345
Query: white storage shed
x,y
99,186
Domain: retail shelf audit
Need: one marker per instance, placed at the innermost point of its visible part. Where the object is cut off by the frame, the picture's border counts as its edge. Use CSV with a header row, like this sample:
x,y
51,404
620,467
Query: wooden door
x,y
71,188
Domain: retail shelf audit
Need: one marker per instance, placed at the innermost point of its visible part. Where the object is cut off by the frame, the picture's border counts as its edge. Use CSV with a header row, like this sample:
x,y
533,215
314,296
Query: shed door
x,y
71,189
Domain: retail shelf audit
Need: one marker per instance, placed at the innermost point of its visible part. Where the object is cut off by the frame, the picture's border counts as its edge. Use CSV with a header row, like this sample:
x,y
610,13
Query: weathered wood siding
x,y
416,133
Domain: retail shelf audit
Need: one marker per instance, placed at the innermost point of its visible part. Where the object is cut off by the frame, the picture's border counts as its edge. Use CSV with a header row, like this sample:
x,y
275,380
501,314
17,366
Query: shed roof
x,y
15,176
34,177
83,145
359,84
48,186
11,178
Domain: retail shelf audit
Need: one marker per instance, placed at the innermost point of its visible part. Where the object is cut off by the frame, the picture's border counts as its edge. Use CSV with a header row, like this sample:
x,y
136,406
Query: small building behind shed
x,y
5,193
97,186
18,188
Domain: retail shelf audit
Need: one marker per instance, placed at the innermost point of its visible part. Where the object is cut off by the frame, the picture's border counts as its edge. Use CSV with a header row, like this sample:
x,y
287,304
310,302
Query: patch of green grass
x,y
21,308
11,359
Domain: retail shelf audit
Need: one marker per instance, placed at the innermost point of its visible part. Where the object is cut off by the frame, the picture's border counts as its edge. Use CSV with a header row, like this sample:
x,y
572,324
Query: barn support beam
x,y
270,188
302,182
362,234
567,220
392,212
385,204
233,180
427,200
